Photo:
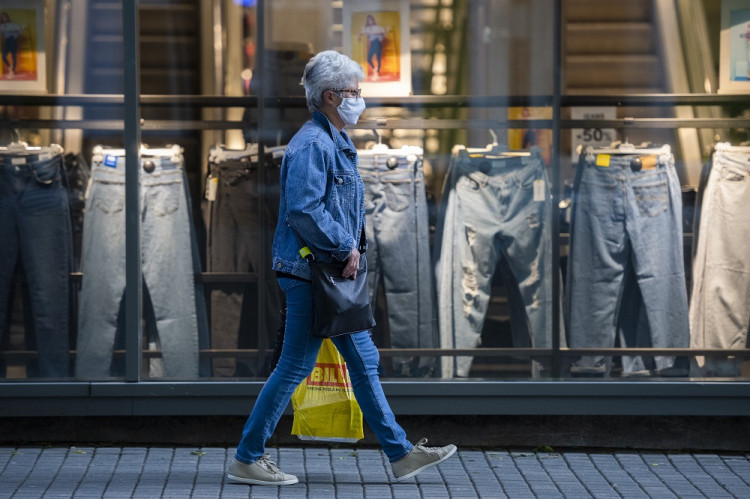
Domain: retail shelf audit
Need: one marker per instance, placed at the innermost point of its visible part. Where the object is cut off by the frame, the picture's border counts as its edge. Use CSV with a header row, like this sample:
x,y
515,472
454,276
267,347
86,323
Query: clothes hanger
x,y
727,147
221,153
627,148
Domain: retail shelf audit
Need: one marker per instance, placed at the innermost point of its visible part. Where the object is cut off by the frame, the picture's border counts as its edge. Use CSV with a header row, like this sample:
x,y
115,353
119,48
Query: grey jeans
x,y
167,252
398,253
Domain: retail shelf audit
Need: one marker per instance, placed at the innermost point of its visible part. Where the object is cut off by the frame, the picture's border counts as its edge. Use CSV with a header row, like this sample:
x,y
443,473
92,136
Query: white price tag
x,y
539,194
211,187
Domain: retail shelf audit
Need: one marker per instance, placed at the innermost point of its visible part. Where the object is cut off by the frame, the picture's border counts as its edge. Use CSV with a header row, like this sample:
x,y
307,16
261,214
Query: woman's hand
x,y
352,265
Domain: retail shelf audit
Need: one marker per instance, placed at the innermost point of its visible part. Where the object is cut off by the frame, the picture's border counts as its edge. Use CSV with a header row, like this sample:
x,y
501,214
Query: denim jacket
x,y
322,198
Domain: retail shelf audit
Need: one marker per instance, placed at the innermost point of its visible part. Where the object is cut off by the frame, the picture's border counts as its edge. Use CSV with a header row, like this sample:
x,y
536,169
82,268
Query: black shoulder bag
x,y
340,305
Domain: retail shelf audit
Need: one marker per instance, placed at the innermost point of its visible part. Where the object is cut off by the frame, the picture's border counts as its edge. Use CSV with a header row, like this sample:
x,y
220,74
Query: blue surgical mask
x,y
350,109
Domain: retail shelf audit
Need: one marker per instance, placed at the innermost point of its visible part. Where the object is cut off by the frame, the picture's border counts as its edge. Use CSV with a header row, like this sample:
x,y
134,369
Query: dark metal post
x,y
132,139
556,187
262,271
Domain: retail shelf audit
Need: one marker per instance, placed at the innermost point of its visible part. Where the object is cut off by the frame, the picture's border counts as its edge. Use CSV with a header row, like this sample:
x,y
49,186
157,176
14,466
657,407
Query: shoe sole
x,y
430,465
252,481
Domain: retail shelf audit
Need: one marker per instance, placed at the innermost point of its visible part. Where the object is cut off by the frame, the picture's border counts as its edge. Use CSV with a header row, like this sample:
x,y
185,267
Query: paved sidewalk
x,y
152,472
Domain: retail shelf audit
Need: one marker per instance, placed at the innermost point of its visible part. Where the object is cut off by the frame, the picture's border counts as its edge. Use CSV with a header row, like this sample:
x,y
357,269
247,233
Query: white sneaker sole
x,y
430,465
253,481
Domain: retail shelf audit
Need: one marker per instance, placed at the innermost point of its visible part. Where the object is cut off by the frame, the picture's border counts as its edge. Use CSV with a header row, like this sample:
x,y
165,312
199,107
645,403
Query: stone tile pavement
x,y
348,473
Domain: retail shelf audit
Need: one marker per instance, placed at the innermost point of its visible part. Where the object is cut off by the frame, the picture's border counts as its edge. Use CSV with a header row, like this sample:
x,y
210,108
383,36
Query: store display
x,y
234,220
36,233
169,259
496,205
626,272
719,311
398,251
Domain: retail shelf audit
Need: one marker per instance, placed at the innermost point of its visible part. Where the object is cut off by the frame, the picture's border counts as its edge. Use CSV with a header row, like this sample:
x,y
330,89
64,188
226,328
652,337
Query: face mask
x,y
350,109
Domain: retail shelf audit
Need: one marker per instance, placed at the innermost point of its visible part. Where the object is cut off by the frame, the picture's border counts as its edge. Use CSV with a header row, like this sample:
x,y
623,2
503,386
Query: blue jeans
x,y
719,308
494,208
168,254
398,253
35,226
297,361
626,232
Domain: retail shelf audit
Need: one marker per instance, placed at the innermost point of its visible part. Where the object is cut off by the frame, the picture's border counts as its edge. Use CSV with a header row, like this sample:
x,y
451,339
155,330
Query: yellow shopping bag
x,y
324,403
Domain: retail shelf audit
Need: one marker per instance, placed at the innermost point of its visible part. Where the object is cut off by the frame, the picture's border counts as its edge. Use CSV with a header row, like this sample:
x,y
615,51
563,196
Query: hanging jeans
x,y
168,253
626,232
720,302
234,222
398,253
493,208
35,224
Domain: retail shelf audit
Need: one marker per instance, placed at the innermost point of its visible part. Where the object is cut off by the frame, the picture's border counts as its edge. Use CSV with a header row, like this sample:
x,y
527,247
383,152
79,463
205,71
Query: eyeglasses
x,y
353,92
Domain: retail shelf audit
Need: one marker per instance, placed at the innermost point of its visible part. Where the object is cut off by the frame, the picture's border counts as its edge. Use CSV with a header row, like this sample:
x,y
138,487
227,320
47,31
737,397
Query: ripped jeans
x,y
494,207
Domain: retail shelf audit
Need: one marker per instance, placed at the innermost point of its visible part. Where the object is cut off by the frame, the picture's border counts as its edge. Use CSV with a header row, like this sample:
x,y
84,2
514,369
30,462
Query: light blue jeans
x,y
167,263
398,253
720,304
494,208
626,232
297,361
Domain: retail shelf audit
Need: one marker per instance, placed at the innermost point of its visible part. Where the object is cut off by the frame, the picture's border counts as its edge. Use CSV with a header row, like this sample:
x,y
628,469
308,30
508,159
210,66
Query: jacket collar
x,y
341,139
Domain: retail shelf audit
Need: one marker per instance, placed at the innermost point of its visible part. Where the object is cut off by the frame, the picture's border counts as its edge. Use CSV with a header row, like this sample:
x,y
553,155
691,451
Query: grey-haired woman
x,y
322,202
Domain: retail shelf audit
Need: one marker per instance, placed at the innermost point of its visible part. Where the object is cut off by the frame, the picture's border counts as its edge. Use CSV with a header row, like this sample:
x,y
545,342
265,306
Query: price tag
x,y
211,187
539,193
594,137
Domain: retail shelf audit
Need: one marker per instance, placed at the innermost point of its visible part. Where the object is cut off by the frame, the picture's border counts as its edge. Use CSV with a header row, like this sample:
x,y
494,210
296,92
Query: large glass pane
x,y
448,264
61,196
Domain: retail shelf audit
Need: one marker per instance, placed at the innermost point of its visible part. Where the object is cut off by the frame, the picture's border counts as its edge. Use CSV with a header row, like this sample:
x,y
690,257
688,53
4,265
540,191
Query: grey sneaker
x,y
261,472
419,459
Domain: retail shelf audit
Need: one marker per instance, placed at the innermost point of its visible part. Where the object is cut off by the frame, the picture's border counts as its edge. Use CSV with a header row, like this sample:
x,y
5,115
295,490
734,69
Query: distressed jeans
x,y
626,233
36,227
493,208
168,253
398,253
720,301
298,356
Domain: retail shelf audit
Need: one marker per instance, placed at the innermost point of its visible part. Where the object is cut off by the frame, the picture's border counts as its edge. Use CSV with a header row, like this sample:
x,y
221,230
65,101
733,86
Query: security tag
x,y
539,190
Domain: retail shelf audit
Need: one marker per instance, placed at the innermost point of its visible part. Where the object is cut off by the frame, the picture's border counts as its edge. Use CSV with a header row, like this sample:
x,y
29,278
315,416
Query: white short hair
x,y
329,70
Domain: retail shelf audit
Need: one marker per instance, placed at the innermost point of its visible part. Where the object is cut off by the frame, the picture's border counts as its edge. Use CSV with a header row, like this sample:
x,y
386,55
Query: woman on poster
x,y
10,33
375,36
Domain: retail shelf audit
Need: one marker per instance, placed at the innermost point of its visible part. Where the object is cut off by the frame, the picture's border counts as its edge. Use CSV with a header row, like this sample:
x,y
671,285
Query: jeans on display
x,y
398,253
168,253
493,207
720,301
233,245
297,361
35,226
626,233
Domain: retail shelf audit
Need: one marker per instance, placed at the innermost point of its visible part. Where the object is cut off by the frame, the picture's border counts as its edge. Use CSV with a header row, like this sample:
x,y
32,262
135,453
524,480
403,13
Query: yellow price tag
x,y
602,160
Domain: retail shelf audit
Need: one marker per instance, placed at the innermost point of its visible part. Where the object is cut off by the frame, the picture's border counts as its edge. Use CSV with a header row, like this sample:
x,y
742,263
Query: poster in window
x,y
376,35
734,67
23,64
